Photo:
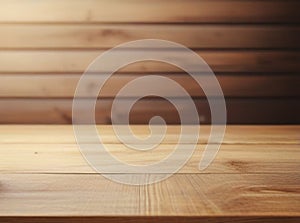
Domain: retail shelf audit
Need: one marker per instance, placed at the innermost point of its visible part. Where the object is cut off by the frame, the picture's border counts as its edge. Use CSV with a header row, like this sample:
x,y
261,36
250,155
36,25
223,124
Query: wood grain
x,y
78,61
235,134
59,111
54,36
64,86
149,219
254,178
246,111
66,158
252,45
143,11
198,195
57,195
47,44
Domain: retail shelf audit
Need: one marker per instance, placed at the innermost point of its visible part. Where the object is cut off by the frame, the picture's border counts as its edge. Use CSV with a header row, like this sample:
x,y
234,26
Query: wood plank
x,y
235,134
64,195
59,111
254,179
53,36
66,158
196,195
143,11
199,194
64,86
78,61
149,219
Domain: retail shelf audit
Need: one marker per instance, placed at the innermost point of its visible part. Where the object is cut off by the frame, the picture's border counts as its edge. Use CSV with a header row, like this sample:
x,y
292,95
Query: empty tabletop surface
x,y
254,177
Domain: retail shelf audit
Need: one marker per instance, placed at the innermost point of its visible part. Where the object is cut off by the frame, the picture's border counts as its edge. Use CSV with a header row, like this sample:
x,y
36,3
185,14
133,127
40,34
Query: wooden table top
x,y
254,178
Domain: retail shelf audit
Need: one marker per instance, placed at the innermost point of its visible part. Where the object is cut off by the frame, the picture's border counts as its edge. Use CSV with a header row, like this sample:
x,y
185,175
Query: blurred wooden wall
x,y
251,45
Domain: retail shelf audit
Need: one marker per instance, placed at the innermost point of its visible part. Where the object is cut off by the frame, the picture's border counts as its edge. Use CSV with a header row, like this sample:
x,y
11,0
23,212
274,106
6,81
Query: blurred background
x,y
251,45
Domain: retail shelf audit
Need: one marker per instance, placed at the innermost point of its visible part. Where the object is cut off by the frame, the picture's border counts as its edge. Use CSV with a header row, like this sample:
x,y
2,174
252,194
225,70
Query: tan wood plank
x,y
223,194
64,86
149,219
65,195
59,111
66,158
258,182
78,61
235,134
35,36
143,11
198,195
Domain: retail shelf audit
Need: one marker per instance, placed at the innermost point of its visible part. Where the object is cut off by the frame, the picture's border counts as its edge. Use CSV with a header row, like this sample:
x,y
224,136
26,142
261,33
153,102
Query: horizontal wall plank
x,y
143,11
59,111
64,86
219,61
52,42
66,158
15,36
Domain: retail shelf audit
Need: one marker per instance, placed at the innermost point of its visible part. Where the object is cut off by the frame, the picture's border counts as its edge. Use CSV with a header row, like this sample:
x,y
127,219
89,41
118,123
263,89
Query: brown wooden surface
x,y
141,11
69,61
54,36
254,178
65,158
235,134
251,45
64,86
41,111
